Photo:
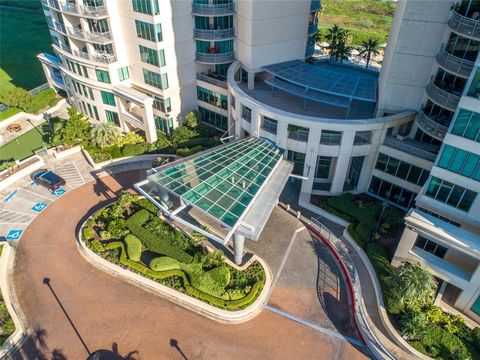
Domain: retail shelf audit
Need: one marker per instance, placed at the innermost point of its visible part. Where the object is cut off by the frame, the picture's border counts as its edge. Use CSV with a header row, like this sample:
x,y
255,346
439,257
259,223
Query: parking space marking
x,y
36,194
71,174
15,217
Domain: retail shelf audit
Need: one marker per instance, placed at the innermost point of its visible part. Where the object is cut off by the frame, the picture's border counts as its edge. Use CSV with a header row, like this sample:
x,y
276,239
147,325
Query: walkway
x,y
74,309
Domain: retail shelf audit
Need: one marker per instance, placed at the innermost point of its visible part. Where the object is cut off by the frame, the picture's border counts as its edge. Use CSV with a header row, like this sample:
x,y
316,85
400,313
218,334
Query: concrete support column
x,y
370,159
238,242
149,121
282,134
406,243
414,130
310,160
251,80
470,293
343,161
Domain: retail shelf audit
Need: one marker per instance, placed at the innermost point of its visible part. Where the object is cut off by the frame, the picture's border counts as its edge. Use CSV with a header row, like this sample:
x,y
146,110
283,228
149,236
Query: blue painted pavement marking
x,y
14,235
59,192
39,206
11,195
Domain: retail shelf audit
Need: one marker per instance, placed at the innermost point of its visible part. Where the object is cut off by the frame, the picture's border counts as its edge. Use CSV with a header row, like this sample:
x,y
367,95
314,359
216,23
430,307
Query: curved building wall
x,y
359,139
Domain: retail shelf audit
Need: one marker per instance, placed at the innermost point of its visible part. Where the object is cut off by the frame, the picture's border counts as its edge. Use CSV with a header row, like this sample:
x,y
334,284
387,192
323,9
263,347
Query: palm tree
x,y
412,287
369,47
341,51
334,33
103,135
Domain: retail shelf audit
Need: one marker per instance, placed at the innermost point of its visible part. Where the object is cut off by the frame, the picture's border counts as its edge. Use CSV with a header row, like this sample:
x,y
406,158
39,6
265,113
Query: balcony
x,y
214,35
97,57
59,27
442,97
315,6
88,11
411,147
213,9
464,25
217,58
214,79
101,38
454,64
430,126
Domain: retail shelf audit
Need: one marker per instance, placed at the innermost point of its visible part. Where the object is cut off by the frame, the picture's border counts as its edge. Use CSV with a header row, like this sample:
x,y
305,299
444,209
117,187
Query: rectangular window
x,y
108,98
149,56
212,97
331,137
450,194
401,169
112,117
95,113
232,101
90,113
123,73
103,76
467,125
213,119
431,247
164,105
323,167
161,55
270,125
155,79
85,72
145,7
298,160
246,113
145,30
158,32
460,162
393,193
298,133
163,125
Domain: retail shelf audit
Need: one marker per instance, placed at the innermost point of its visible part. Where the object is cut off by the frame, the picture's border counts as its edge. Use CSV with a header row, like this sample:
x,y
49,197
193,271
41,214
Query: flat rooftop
x,y
322,90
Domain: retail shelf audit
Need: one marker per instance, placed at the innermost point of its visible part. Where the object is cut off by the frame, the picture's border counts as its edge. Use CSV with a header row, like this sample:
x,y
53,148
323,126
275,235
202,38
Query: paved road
x,y
84,310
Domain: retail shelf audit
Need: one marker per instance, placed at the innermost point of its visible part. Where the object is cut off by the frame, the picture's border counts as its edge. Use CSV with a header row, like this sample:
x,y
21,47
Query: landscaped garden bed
x,y
129,234
7,327
408,291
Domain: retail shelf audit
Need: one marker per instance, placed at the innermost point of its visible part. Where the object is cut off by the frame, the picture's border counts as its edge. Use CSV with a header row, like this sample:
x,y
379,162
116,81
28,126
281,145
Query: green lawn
x,y
365,19
24,146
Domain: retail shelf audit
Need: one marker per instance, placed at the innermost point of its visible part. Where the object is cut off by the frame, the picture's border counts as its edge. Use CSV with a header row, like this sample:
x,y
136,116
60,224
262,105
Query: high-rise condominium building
x,y
408,135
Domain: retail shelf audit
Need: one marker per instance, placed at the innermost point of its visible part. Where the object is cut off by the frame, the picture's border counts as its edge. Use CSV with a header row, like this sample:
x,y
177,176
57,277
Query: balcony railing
x,y
442,97
105,37
394,143
315,6
59,27
213,79
219,58
89,11
330,139
299,135
454,64
430,126
464,25
219,34
213,9
97,57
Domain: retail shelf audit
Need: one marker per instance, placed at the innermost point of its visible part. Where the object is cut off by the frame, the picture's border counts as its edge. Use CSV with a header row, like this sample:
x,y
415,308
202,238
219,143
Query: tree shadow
x,y
113,354
35,347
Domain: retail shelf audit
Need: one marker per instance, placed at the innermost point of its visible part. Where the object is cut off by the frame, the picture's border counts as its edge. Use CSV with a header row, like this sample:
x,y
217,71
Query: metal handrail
x,y
213,9
455,64
103,58
211,80
213,34
409,149
330,139
86,10
464,25
299,135
347,266
442,97
216,58
430,126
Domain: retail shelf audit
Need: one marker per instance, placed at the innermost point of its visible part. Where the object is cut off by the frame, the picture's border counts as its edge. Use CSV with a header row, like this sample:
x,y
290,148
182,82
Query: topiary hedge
x,y
134,247
133,149
164,263
153,242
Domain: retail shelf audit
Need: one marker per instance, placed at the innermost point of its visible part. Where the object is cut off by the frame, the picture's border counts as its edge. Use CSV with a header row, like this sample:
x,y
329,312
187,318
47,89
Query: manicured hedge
x,y
97,246
164,263
213,300
133,149
189,151
134,247
153,242
87,233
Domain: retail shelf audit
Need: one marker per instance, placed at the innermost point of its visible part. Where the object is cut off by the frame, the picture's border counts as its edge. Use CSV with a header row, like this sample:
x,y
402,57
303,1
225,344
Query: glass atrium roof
x,y
311,81
224,181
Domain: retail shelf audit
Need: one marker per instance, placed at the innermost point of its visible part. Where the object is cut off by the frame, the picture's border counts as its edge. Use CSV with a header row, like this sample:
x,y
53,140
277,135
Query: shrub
x,y
130,138
220,276
97,246
375,250
133,149
42,100
358,239
192,118
114,151
213,259
188,152
134,247
87,233
204,141
147,205
152,242
182,133
164,263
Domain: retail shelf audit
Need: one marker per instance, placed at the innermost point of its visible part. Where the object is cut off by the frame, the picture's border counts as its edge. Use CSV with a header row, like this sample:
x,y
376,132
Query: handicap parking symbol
x,y
59,192
39,206
14,235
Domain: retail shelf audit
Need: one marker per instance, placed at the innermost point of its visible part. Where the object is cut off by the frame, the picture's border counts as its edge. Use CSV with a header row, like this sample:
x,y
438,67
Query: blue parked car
x,y
47,179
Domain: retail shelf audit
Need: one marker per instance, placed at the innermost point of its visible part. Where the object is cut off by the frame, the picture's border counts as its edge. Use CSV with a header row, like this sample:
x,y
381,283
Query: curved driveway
x,y
103,312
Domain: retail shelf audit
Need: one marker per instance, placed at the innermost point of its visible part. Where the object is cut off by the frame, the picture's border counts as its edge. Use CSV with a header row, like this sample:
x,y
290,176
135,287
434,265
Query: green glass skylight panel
x,y
222,182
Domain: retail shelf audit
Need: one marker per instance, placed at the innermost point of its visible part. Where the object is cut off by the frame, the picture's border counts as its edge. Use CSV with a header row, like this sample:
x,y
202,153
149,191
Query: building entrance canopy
x,y
223,184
